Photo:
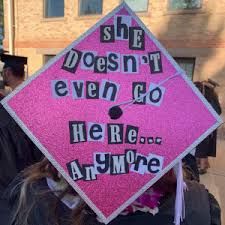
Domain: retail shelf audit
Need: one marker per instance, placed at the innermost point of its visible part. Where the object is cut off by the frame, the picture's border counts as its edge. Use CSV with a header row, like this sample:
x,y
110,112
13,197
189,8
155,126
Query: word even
x,y
107,90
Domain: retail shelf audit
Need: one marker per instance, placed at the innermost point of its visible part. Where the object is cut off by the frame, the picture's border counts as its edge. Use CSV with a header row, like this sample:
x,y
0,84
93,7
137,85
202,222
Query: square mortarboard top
x,y
13,61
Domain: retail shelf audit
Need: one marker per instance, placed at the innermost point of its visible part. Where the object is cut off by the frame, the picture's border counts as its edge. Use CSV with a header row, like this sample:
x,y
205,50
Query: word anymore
x,y
107,90
107,163
79,132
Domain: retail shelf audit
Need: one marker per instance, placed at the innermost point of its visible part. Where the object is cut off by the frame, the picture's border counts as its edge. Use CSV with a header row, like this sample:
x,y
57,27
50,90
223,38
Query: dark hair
x,y
199,85
18,71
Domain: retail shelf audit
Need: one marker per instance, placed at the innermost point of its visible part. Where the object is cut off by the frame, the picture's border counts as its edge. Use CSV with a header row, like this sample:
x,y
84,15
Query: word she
x,y
114,61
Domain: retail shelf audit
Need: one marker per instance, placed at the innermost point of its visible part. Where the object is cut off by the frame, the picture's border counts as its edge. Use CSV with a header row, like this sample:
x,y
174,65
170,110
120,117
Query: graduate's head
x,y
79,215
199,85
13,70
31,177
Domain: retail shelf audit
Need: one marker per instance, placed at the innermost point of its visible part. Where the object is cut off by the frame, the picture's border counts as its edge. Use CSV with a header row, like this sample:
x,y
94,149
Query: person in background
x,y
1,95
40,195
16,150
191,167
208,146
13,70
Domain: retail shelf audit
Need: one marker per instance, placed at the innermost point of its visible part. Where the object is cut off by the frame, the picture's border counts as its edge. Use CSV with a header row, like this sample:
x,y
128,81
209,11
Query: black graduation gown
x,y
208,146
201,208
17,151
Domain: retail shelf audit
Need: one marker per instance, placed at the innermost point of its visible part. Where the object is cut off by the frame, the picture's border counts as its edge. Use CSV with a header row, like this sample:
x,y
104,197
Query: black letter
x,y
72,60
136,38
107,33
133,62
95,129
78,87
61,85
130,155
115,133
138,90
102,164
85,56
110,91
121,26
112,63
77,132
75,170
100,64
157,97
138,161
92,90
153,162
118,165
155,62
131,134
89,172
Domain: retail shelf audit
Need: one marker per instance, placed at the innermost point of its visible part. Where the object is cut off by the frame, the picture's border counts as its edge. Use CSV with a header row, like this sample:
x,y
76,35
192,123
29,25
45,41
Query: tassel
x,y
179,202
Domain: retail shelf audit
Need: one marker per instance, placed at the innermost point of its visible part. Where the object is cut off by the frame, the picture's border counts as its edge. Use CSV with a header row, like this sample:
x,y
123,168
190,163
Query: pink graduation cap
x,y
113,112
